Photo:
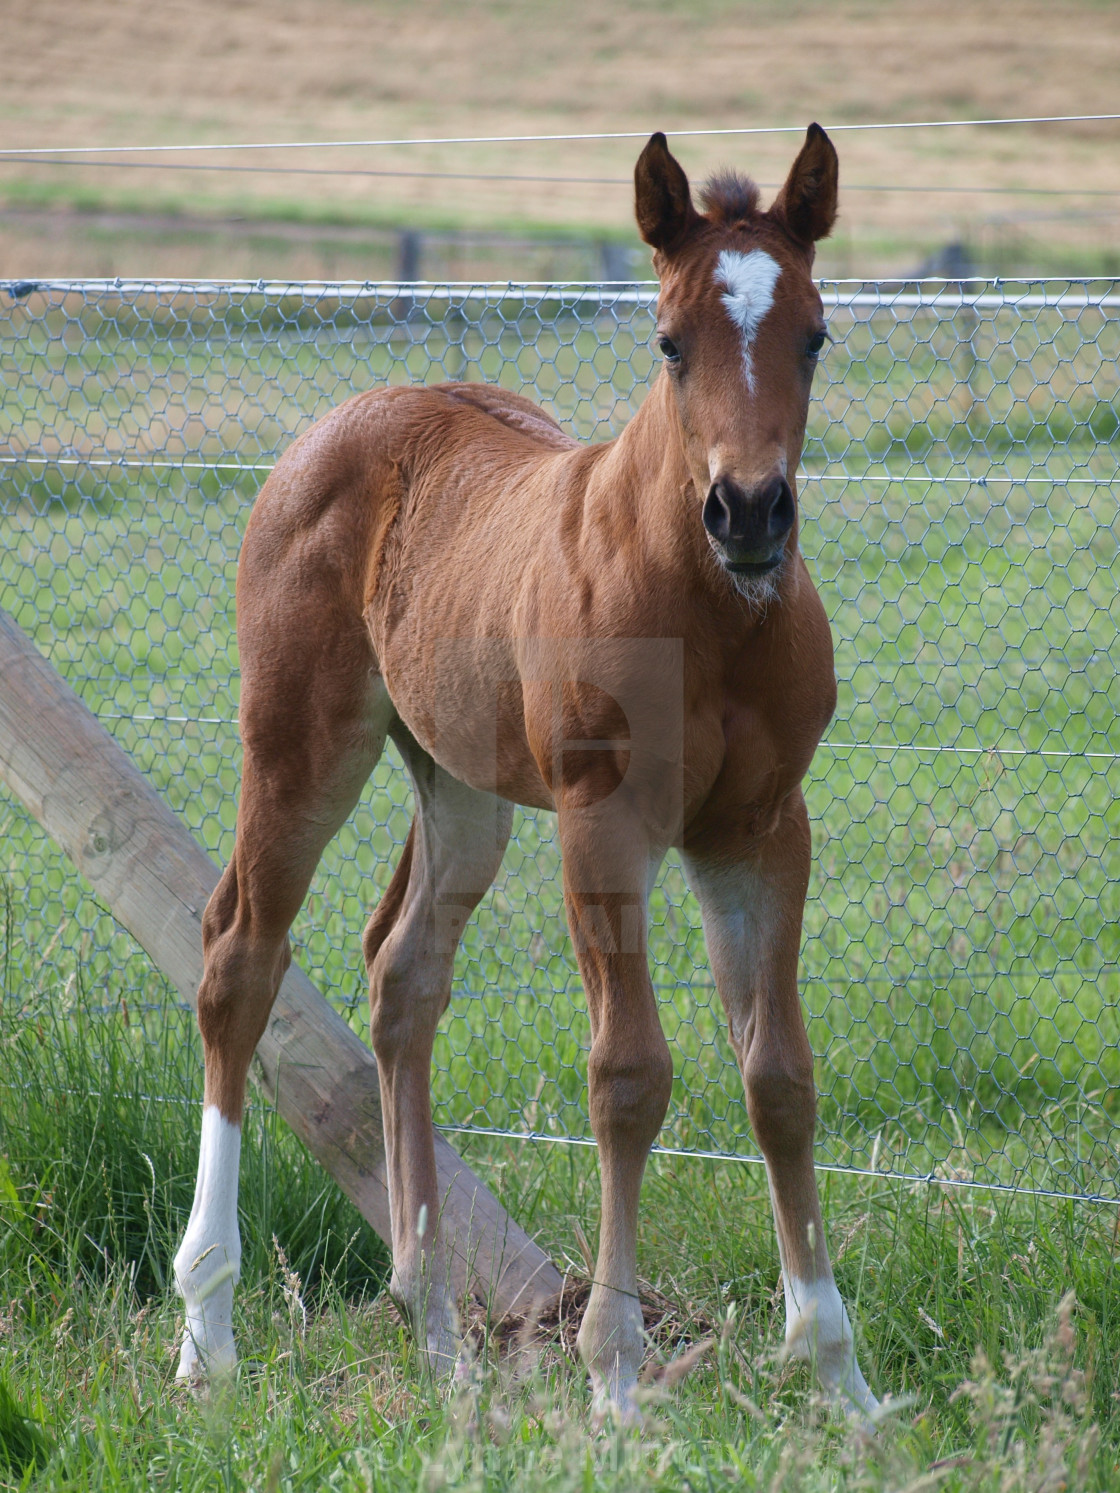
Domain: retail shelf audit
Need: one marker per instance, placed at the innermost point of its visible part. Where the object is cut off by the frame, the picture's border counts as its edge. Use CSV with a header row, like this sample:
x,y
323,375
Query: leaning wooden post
x,y
67,770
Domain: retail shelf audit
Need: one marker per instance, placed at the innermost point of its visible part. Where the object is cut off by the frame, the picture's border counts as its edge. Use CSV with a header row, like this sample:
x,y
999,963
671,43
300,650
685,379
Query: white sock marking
x,y
748,281
208,1261
818,1330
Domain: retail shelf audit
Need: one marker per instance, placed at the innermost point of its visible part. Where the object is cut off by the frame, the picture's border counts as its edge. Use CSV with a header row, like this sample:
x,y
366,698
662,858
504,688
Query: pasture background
x,y
1024,200
960,517
97,1106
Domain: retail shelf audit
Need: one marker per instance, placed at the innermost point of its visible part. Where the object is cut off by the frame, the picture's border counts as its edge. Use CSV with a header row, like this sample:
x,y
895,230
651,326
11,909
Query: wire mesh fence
x,y
960,516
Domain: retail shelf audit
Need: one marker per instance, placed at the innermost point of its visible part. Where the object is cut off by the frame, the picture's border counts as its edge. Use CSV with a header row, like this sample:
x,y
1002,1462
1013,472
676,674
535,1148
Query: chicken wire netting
x,y
960,517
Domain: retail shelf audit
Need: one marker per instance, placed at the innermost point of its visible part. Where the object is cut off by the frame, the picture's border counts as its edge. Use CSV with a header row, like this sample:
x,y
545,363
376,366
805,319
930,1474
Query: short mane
x,y
728,197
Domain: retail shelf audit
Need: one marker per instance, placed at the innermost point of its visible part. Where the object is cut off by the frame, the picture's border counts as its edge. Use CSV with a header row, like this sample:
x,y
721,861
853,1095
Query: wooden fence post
x,y
70,774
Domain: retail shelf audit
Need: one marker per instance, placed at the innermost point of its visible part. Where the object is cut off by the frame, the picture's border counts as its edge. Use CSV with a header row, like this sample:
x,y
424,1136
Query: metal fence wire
x,y
960,516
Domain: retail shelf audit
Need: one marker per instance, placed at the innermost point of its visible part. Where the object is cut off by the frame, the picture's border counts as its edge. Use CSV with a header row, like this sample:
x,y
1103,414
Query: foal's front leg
x,y
752,895
607,868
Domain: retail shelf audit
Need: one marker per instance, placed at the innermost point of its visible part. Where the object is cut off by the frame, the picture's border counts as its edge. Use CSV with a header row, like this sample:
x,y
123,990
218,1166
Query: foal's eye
x,y
669,349
816,342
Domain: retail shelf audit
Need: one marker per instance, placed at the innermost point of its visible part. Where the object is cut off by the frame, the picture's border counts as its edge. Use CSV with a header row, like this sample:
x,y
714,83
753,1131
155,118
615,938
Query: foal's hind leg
x,y
751,895
313,725
453,853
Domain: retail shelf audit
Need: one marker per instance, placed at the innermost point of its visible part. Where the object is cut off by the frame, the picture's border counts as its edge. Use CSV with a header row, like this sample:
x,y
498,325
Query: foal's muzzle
x,y
749,527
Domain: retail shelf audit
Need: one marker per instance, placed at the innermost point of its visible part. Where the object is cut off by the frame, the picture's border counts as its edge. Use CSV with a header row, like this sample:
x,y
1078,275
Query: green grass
x,y
122,1165
204,213
963,916
193,223
955,1294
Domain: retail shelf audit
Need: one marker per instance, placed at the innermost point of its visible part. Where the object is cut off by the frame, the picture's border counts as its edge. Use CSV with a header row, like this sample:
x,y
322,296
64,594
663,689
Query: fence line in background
x,y
941,293
961,953
126,463
771,129
224,167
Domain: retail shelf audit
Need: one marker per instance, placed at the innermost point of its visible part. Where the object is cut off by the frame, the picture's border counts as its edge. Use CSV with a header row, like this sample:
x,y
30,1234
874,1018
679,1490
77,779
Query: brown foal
x,y
623,633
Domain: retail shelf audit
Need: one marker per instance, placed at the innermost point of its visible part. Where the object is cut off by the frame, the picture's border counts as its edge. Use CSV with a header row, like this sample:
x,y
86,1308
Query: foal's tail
x,y
385,913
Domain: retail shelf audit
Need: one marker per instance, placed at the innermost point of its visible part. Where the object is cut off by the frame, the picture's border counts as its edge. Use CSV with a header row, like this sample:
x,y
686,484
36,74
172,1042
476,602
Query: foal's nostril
x,y
717,514
779,519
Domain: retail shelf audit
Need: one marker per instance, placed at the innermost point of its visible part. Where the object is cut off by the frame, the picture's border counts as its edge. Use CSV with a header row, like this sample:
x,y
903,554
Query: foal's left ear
x,y
807,202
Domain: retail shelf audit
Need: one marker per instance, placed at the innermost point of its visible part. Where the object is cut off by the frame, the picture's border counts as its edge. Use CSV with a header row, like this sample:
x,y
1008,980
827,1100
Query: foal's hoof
x,y
853,1399
446,1356
217,1361
615,1405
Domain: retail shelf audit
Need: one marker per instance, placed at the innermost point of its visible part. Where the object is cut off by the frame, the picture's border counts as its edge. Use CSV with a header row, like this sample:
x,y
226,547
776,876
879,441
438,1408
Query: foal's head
x,y
740,327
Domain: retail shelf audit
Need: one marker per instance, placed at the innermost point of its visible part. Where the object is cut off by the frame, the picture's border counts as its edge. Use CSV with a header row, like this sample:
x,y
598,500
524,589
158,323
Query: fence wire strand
x,y
223,167
703,131
961,517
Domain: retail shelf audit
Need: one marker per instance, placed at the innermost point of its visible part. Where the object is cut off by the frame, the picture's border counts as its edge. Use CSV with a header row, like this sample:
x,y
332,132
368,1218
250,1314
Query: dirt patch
x,y
670,1326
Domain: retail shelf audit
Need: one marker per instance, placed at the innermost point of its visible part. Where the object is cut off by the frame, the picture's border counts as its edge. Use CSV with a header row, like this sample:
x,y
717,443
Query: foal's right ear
x,y
662,200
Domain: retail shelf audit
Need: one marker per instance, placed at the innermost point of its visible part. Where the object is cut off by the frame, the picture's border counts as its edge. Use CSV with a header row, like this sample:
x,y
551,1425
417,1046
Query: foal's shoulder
x,y
509,409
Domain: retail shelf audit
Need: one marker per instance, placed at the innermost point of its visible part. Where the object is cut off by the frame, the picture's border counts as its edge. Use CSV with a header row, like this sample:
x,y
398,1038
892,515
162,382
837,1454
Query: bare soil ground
x,y
125,71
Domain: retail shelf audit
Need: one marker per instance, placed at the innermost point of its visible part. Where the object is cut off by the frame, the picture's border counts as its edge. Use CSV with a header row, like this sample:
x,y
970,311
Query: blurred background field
x,y
1019,200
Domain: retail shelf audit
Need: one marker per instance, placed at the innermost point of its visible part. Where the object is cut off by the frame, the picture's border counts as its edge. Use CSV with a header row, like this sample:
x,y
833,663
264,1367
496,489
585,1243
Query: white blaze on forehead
x,y
748,281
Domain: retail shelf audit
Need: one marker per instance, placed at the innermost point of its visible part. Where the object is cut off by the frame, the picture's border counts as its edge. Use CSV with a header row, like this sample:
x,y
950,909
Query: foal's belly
x,y
541,719
510,717
461,699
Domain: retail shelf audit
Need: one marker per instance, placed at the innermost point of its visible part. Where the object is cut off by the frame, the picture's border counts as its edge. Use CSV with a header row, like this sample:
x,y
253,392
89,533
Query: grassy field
x,y
958,1297
961,934
120,72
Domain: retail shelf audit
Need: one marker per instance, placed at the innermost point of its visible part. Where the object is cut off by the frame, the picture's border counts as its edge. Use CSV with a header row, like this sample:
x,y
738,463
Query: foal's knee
x,y
781,1101
630,1087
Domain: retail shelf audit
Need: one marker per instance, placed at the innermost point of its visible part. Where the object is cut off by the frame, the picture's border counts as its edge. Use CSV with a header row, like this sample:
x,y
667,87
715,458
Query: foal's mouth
x,y
755,567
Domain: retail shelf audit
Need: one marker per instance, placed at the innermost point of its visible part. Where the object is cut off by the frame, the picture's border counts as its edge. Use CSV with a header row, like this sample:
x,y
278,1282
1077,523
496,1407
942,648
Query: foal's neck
x,y
647,464
643,476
